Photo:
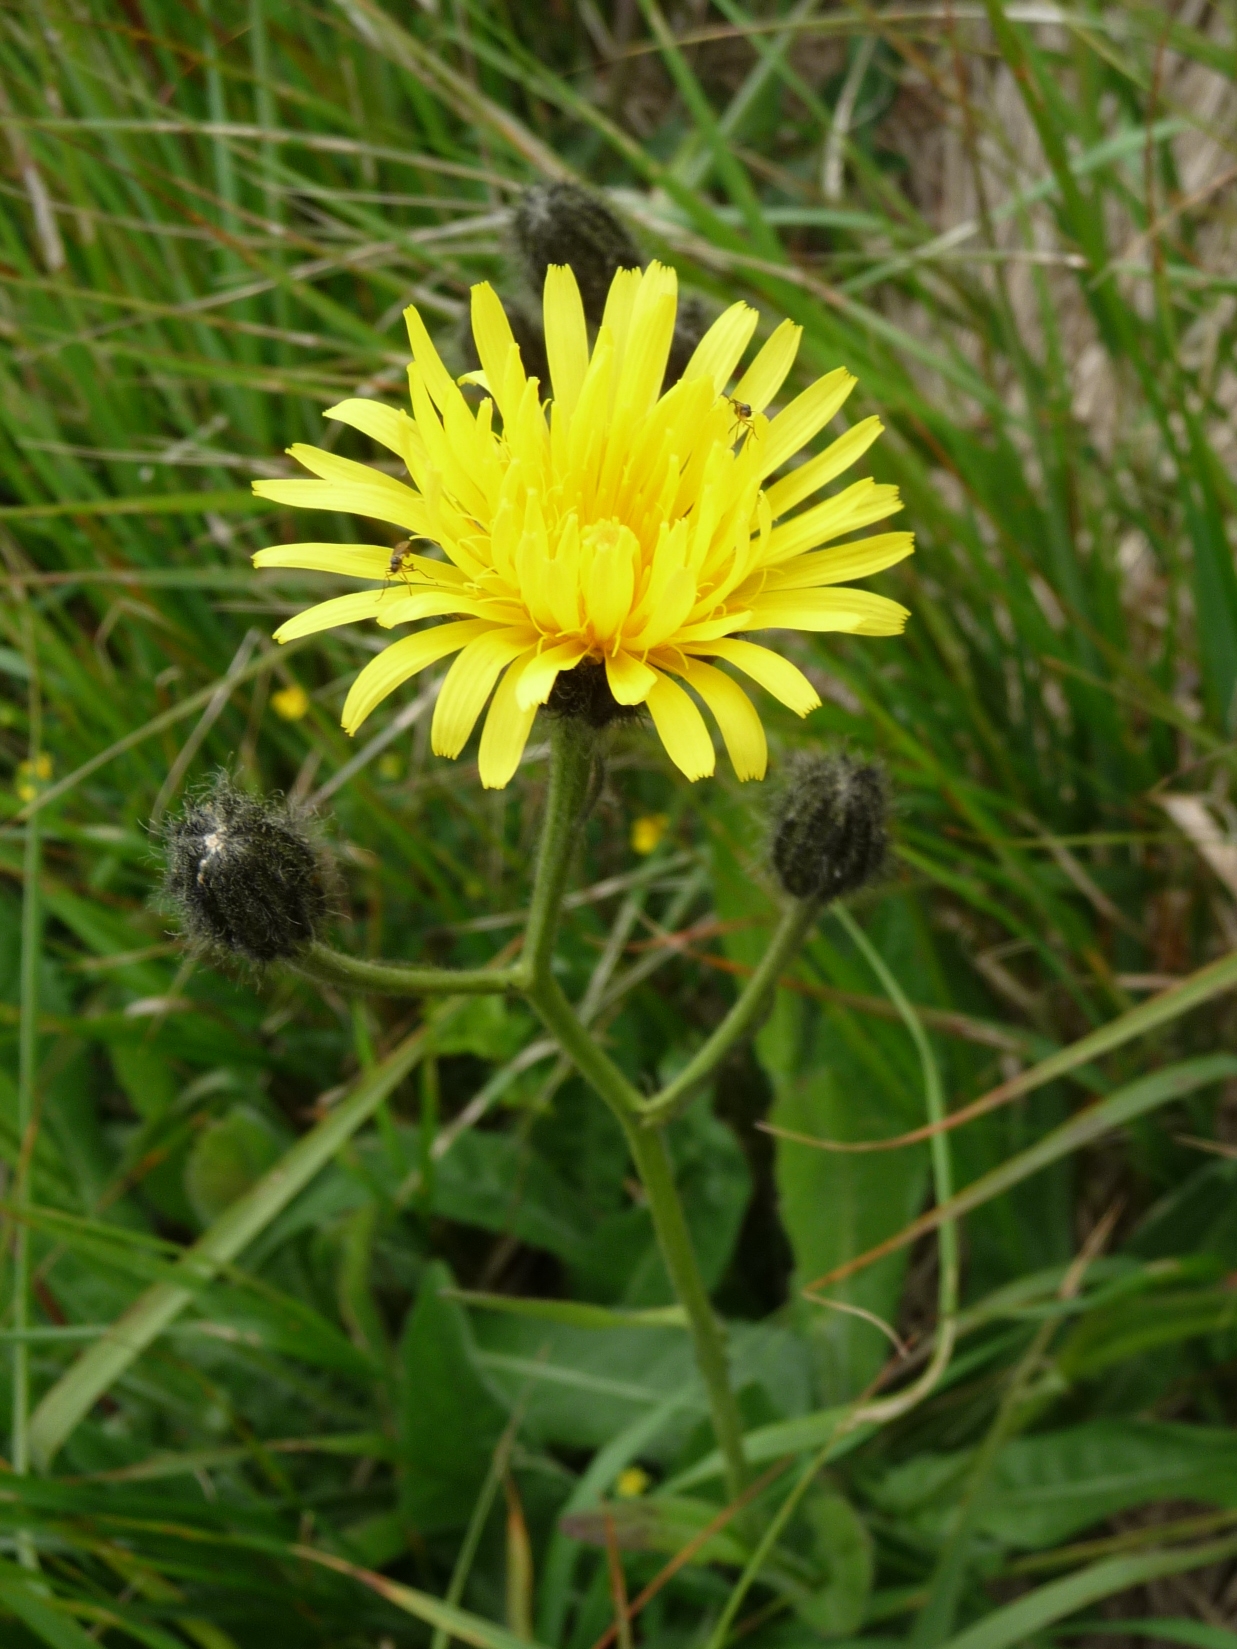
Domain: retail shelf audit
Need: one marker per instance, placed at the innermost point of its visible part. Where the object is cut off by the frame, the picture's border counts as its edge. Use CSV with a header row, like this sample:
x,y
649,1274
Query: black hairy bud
x,y
830,832
584,692
563,223
244,875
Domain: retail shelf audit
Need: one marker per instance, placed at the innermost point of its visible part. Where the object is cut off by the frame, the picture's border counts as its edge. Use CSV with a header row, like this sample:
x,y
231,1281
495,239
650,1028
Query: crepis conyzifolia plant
x,y
599,535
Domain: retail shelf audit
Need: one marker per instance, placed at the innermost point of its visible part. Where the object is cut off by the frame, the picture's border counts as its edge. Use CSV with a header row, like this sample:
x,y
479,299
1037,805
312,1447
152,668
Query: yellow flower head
x,y
612,523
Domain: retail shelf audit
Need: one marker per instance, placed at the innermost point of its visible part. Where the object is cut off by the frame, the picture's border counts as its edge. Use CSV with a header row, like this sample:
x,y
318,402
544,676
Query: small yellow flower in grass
x,y
32,776
290,702
631,1482
642,532
647,832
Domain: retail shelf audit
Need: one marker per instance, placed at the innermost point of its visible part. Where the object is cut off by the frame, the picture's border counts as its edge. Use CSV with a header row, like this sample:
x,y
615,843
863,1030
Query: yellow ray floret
x,y
597,522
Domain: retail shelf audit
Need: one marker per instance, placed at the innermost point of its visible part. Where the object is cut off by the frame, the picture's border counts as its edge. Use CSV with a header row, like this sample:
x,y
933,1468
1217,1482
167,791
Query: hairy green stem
x,y
743,1019
648,1148
333,967
571,770
572,755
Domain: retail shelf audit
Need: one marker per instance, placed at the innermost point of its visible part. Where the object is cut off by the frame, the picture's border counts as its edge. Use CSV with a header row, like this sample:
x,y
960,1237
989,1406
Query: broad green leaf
x,y
1047,1487
450,1416
842,1549
228,1158
498,1182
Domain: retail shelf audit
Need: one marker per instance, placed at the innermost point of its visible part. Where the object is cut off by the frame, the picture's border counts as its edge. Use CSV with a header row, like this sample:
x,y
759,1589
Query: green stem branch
x,y
332,967
742,1021
648,1147
570,779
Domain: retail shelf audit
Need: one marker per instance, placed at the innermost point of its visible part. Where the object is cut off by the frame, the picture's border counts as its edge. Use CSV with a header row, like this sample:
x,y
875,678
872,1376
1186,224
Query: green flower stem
x,y
594,1065
743,1019
648,1147
571,772
332,967
572,751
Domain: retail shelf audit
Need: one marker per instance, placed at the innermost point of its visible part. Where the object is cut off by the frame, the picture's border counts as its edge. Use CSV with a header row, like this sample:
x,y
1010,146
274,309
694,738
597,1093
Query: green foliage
x,y
212,218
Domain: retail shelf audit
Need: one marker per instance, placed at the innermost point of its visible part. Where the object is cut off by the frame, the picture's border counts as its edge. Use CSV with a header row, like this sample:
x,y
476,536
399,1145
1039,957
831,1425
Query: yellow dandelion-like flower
x,y
612,523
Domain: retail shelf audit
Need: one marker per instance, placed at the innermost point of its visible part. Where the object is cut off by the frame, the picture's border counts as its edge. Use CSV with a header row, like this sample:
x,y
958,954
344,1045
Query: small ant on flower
x,y
742,415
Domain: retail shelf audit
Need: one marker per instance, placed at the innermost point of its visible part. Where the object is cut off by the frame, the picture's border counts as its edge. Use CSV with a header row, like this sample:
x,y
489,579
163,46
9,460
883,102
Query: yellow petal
x,y
344,609
537,678
736,716
566,336
858,506
469,683
630,681
620,301
767,373
407,609
856,612
389,426
718,352
355,560
611,584
492,332
710,629
662,618
777,675
438,380
841,563
801,483
808,413
506,730
382,497
680,726
402,659
648,345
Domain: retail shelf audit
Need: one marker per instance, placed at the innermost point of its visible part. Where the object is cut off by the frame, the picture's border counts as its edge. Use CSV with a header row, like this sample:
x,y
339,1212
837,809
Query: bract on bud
x,y
244,875
829,832
585,694
563,223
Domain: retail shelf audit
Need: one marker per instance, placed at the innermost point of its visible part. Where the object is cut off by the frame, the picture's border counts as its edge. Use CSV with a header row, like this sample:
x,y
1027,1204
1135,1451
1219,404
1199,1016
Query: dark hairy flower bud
x,y
829,831
563,223
584,692
244,875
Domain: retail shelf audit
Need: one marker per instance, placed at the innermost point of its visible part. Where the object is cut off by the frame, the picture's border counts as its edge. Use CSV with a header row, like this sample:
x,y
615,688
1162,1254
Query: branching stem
x,y
353,973
574,770
743,1019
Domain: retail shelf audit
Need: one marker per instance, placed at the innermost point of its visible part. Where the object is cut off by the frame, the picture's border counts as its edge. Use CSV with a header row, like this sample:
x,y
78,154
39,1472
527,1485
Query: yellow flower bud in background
x,y
32,776
647,832
290,702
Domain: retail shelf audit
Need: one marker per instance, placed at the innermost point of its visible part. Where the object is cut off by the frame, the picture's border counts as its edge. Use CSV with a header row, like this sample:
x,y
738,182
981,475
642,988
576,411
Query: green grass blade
x,y
75,1393
1017,1622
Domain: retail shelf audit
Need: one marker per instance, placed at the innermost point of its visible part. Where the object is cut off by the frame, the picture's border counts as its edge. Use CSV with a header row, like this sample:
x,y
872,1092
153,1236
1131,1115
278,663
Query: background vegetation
x,y
1016,223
